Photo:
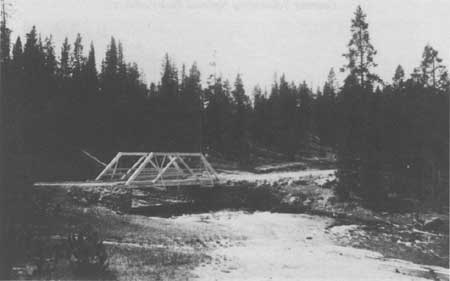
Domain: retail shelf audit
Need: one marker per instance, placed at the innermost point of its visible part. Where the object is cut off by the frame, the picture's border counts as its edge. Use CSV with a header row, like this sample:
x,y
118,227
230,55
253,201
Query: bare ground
x,y
345,242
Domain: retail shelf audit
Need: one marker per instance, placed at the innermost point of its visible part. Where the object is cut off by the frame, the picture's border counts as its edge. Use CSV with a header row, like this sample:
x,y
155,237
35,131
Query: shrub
x,y
88,256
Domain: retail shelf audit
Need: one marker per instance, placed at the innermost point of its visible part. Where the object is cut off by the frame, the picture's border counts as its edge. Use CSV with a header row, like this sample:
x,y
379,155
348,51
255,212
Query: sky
x,y
260,39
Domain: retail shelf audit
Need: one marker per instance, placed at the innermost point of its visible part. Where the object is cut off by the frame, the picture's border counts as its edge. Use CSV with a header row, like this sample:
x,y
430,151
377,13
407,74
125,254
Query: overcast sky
x,y
257,38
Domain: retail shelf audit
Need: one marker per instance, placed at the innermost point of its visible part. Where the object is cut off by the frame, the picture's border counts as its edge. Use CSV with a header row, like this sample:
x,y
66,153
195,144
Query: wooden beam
x,y
133,167
177,153
209,167
185,165
163,170
115,168
134,153
176,164
153,164
113,161
139,169
87,154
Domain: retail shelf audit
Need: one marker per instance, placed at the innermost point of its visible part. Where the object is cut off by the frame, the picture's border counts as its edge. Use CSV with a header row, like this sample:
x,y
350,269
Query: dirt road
x,y
276,246
273,177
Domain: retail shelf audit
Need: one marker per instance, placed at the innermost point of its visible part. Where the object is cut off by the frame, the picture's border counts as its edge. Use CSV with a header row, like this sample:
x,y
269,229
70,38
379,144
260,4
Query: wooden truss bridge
x,y
159,170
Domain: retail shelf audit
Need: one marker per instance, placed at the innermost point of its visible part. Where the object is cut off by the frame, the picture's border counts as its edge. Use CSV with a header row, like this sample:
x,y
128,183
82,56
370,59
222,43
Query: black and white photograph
x,y
224,140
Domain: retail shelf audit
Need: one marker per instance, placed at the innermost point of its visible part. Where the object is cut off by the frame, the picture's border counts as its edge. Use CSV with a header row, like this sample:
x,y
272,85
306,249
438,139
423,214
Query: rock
x,y
307,202
291,200
330,184
332,200
434,224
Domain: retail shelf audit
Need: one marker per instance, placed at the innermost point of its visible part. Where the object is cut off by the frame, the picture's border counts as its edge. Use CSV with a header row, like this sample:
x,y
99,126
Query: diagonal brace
x,y
140,168
109,166
164,170
133,167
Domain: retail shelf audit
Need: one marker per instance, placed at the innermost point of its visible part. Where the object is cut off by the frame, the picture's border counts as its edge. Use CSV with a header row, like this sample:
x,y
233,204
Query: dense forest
x,y
390,137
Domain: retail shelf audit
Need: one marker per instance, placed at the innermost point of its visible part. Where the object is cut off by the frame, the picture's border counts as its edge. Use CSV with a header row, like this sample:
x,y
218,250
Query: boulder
x,y
435,224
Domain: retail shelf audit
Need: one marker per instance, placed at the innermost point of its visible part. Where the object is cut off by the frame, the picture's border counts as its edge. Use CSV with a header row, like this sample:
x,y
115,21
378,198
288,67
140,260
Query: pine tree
x,y
361,52
305,114
169,79
7,183
433,73
17,51
330,88
111,62
33,65
50,61
109,72
183,78
153,92
326,111
259,117
218,123
241,106
169,104
90,102
90,70
191,110
122,79
77,58
5,41
275,115
65,68
399,76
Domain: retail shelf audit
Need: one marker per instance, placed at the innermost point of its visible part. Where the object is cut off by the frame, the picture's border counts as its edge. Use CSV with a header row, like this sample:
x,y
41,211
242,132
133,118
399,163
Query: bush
x,y
88,256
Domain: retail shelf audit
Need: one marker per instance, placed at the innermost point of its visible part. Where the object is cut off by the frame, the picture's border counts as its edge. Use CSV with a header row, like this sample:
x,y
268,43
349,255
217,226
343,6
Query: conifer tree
x,y
326,111
433,73
361,52
77,59
5,34
7,183
218,122
191,109
90,70
241,106
259,117
65,68
169,79
399,76
50,61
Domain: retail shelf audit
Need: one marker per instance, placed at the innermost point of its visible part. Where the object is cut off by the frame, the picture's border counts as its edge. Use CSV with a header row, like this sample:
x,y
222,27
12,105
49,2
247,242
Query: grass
x,y
171,251
155,264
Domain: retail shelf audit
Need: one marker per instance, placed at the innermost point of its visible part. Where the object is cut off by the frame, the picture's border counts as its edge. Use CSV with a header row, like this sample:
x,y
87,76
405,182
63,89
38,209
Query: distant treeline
x,y
390,137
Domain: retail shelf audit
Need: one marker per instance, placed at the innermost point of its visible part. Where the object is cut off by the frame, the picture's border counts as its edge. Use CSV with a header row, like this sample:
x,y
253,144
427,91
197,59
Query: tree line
x,y
56,100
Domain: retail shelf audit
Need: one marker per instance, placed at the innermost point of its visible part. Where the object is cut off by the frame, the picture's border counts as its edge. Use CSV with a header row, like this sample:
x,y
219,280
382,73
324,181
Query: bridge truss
x,y
159,170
